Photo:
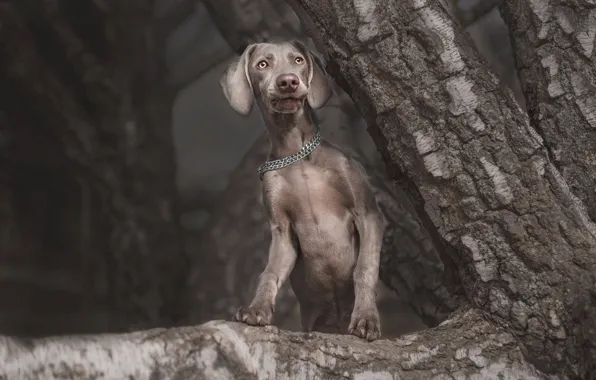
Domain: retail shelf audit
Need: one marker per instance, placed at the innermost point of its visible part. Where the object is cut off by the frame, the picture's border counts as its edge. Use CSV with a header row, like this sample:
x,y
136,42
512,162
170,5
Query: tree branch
x,y
223,350
554,51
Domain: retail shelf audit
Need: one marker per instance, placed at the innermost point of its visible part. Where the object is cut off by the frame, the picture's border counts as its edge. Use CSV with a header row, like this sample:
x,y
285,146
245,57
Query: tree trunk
x,y
526,248
220,351
238,235
91,79
554,50
245,22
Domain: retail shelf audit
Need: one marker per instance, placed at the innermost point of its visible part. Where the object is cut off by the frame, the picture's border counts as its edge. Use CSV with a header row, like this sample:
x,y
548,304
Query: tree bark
x,y
411,263
92,79
554,50
220,350
526,248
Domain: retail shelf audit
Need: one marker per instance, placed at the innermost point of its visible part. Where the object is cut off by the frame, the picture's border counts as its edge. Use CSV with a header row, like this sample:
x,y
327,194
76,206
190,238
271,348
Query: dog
x,y
326,227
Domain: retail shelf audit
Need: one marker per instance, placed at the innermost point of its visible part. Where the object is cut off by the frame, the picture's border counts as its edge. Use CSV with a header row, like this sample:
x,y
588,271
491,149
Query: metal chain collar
x,y
286,161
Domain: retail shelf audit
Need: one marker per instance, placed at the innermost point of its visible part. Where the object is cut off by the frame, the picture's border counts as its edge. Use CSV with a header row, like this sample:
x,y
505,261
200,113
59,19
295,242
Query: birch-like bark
x,y
526,247
466,347
554,49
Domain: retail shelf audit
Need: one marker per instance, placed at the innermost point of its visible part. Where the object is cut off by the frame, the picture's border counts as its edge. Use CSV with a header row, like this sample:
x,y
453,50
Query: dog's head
x,y
281,76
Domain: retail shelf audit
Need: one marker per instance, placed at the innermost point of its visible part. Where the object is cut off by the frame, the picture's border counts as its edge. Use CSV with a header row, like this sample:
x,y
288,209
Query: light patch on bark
x,y
369,375
577,205
555,88
555,322
560,333
417,4
368,28
435,162
502,189
336,351
206,361
323,360
538,165
563,20
474,354
267,362
542,10
231,341
585,37
408,340
484,260
422,355
444,29
424,143
587,107
549,62
462,98
475,122
464,101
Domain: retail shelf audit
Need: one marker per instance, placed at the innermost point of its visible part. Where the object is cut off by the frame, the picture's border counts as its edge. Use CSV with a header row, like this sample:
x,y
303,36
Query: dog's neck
x,y
289,131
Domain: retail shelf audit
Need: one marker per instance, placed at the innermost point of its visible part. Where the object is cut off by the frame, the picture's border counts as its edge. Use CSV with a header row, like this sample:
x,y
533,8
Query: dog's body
x,y
325,224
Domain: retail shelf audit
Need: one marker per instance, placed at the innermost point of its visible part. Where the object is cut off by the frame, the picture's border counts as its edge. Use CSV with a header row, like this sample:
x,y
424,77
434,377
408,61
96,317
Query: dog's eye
x,y
299,60
262,64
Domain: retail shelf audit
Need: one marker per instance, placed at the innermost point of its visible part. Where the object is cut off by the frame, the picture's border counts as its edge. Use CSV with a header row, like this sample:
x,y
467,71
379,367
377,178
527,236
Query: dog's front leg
x,y
282,257
365,321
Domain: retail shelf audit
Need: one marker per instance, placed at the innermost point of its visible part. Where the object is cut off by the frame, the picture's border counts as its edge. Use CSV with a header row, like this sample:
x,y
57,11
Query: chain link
x,y
286,161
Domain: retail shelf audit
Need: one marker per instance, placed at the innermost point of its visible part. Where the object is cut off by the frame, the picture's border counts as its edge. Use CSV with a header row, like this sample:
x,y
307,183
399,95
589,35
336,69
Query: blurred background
x,y
128,192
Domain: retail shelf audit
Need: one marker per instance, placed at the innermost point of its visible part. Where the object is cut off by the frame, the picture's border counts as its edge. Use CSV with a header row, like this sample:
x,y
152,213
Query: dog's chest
x,y
314,190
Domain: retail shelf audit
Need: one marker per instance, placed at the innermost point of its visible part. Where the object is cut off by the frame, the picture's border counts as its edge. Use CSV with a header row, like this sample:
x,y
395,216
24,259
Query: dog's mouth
x,y
290,104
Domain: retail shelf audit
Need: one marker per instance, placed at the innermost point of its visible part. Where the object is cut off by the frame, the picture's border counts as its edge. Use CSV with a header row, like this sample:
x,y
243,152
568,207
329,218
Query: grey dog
x,y
326,227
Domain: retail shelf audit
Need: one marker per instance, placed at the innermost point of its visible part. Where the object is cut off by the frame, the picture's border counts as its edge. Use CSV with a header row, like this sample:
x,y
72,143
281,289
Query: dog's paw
x,y
365,323
254,316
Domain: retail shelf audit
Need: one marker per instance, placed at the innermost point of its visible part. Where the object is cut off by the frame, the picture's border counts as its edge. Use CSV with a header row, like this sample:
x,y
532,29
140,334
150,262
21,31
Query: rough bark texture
x,y
89,80
554,50
526,248
221,350
238,235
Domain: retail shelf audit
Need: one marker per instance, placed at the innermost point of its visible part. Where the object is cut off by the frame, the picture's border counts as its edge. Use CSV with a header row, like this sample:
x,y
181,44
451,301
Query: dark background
x,y
117,158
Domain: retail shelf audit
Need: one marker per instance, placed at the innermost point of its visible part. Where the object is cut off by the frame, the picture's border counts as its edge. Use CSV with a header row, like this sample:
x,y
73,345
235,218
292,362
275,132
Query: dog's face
x,y
282,76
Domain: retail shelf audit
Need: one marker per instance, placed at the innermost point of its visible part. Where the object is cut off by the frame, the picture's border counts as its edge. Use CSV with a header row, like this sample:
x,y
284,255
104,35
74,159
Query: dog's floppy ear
x,y
236,85
319,86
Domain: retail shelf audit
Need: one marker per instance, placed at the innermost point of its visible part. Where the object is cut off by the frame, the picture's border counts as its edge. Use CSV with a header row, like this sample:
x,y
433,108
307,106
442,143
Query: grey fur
x,y
325,224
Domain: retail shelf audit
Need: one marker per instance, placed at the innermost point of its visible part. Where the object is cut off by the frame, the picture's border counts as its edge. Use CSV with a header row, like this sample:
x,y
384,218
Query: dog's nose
x,y
287,82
